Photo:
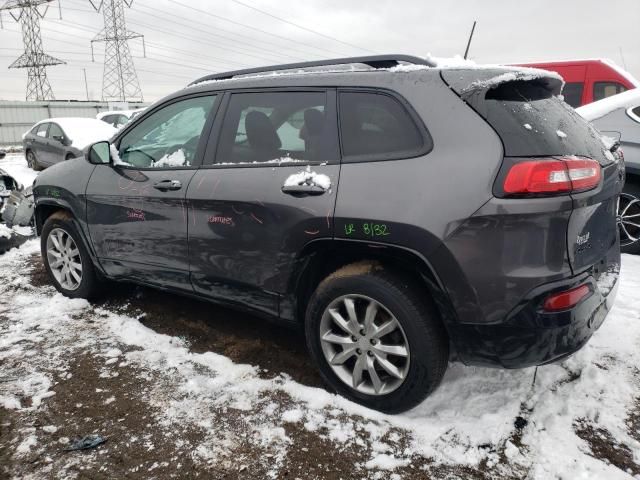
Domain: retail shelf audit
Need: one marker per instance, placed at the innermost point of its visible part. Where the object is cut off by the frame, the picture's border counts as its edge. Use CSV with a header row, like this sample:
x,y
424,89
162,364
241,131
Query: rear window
x,y
41,130
526,114
376,126
572,93
606,89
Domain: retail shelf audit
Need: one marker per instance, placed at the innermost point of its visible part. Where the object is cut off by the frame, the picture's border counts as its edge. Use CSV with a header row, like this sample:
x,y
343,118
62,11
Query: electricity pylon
x,y
33,58
120,80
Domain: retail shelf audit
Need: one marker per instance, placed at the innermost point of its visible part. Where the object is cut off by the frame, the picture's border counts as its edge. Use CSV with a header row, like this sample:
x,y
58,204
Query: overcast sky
x,y
189,38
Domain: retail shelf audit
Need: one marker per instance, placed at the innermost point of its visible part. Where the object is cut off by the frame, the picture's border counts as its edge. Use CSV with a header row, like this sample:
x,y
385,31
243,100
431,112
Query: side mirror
x,y
2,154
99,153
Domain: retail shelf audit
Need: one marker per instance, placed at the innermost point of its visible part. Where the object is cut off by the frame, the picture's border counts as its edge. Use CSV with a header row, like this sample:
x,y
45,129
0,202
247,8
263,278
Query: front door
x,y
56,150
267,189
136,207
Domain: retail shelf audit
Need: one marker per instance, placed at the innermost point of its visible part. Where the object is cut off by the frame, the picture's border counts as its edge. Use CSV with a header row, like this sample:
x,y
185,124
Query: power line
x,y
300,26
204,12
200,40
208,25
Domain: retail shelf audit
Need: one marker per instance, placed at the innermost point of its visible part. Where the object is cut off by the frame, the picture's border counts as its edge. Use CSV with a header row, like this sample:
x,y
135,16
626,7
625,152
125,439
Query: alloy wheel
x,y
364,344
63,257
30,160
628,219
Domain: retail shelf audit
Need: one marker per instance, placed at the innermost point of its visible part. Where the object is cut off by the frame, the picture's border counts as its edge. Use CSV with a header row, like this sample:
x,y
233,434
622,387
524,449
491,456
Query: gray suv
x,y
402,214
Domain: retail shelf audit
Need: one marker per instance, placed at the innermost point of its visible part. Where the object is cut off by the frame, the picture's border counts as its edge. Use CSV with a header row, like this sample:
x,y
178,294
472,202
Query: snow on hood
x,y
595,110
82,132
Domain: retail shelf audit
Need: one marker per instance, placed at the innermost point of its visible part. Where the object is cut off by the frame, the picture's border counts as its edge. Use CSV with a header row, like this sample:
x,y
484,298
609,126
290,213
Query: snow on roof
x,y
82,132
595,110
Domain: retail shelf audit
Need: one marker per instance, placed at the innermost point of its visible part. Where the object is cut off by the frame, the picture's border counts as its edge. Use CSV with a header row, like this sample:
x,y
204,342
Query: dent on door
x,y
245,232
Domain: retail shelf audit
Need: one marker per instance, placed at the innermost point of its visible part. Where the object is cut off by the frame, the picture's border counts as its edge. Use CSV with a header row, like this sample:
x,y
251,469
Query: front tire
x,y
376,338
629,218
66,259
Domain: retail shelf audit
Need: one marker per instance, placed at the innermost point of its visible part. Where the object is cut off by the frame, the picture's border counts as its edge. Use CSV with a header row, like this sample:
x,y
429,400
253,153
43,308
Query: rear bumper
x,y
531,336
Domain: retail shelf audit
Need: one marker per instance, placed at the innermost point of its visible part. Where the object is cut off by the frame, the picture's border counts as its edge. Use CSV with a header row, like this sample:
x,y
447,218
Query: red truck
x,y
589,80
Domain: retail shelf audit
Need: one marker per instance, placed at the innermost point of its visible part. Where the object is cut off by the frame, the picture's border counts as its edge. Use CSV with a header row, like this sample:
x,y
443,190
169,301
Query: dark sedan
x,y
57,139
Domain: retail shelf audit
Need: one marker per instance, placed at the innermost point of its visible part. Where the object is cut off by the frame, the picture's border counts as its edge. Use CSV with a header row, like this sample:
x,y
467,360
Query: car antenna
x,y
466,52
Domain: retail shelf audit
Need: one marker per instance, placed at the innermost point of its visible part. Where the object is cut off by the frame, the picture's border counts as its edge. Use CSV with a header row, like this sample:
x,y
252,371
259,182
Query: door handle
x,y
166,185
303,190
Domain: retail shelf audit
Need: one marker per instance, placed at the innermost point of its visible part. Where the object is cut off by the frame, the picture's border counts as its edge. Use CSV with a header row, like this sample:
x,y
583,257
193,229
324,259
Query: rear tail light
x,y
567,299
550,176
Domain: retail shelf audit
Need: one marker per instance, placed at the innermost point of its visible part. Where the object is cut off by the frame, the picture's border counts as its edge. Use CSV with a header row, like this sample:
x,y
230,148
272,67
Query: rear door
x,y
267,189
137,212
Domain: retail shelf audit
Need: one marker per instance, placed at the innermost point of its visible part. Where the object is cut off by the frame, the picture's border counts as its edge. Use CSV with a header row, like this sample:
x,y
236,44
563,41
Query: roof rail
x,y
374,61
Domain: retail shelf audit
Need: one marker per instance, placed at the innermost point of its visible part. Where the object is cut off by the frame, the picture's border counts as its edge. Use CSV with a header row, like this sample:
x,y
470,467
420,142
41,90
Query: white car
x,y
618,117
118,118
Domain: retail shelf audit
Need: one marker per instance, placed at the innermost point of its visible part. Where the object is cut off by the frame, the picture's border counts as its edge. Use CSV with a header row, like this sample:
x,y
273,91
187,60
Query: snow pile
x,y
5,232
115,156
511,75
16,166
175,159
308,177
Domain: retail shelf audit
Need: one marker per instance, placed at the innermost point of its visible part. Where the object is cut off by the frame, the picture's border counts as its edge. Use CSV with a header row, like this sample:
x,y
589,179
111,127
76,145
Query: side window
x,y
55,133
278,126
119,120
169,137
606,89
635,113
41,130
572,93
375,126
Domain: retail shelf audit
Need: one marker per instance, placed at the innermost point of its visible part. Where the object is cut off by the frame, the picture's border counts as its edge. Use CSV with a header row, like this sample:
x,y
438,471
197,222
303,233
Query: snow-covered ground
x,y
576,419
16,166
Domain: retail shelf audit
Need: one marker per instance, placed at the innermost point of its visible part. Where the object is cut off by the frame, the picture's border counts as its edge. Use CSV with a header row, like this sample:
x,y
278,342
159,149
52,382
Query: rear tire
x,y
409,360
32,161
66,259
629,206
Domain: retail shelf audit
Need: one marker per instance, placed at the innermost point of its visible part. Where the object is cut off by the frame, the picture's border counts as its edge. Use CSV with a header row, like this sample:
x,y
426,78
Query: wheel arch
x,y
323,257
45,209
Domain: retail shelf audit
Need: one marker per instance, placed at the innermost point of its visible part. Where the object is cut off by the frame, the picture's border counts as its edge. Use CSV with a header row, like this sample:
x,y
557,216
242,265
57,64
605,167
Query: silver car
x,y
618,117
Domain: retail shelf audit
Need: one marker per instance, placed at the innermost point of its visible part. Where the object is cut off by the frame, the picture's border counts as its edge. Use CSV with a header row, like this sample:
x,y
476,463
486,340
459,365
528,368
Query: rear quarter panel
x,y
422,201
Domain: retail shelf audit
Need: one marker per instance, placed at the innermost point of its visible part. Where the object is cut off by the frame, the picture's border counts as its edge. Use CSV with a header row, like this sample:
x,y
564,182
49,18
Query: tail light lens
x,y
568,299
552,176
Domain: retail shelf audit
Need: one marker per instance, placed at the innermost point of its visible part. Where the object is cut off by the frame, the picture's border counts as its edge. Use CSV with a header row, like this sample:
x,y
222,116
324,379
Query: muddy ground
x,y
91,398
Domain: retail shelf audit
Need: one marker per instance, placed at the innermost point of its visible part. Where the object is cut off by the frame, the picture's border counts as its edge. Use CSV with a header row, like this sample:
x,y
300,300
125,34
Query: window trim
x,y
632,114
427,139
204,136
212,148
